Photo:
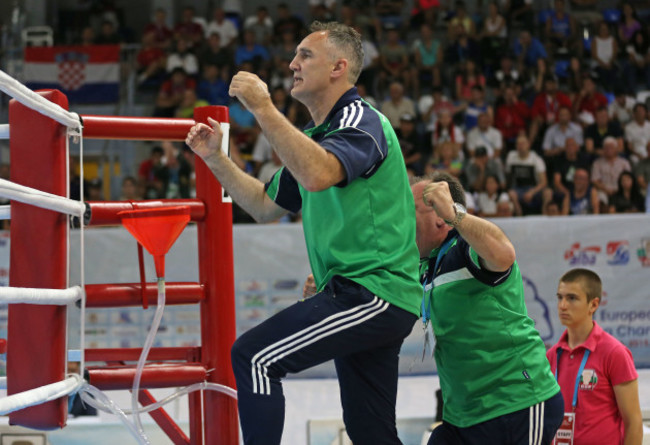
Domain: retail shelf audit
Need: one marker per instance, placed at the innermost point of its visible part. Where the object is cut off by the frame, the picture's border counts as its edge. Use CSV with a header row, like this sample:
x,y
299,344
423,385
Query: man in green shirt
x,y
347,175
496,383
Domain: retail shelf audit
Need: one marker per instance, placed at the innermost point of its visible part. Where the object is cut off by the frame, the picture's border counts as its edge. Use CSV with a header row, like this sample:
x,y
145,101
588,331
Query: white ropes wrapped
x,y
40,395
4,131
30,99
17,295
41,199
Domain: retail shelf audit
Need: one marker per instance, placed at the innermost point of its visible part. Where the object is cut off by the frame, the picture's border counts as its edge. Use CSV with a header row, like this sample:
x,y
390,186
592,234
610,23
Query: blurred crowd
x,y
538,110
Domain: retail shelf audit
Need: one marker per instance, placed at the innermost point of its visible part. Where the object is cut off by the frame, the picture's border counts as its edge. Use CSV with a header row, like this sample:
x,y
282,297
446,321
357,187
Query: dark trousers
x,y
344,322
535,425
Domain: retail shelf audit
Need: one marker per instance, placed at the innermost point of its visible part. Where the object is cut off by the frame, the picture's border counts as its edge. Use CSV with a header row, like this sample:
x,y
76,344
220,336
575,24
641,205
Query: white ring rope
x,y
40,395
41,199
5,212
4,131
26,295
30,99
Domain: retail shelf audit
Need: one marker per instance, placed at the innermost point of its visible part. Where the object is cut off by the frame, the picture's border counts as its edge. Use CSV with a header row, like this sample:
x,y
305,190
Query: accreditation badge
x,y
564,435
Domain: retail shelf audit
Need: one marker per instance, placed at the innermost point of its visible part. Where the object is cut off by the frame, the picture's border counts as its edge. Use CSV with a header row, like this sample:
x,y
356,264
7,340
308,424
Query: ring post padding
x,y
218,308
38,259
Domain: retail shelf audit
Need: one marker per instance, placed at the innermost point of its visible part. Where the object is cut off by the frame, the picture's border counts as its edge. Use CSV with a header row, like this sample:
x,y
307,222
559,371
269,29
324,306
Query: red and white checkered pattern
x,y
72,74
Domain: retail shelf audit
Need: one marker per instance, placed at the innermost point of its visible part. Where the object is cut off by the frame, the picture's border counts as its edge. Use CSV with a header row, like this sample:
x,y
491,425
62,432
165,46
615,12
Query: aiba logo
x,y
577,255
618,253
643,253
72,69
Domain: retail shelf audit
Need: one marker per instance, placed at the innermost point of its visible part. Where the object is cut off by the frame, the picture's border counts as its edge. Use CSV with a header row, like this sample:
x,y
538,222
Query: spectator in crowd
x,y
561,30
557,134
527,49
642,174
637,134
485,135
546,106
596,133
213,53
566,164
183,58
494,35
163,34
586,11
189,29
389,14
588,101
622,107
480,167
286,21
595,371
440,102
489,199
445,158
575,78
242,126
637,64
130,191
87,36
474,107
397,104
371,62
148,173
262,26
284,50
328,9
394,61
461,18
428,57
629,24
606,170
189,103
583,196
94,190
413,144
224,27
151,61
604,50
511,117
171,92
506,74
520,11
526,172
468,77
628,197
175,174
446,131
108,34
424,11
462,48
250,51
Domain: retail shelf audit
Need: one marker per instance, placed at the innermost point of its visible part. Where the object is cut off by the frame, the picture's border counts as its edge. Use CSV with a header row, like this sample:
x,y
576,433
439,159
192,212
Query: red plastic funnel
x,y
156,230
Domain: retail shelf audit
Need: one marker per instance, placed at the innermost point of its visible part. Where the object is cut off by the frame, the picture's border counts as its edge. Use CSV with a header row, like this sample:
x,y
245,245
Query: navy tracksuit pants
x,y
344,322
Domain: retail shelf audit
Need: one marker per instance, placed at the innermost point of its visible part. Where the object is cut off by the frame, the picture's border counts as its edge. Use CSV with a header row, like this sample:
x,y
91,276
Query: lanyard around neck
x,y
582,367
426,302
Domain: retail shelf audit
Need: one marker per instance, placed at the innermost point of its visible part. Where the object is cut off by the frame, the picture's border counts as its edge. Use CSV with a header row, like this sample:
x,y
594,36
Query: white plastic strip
x,y
17,295
4,131
40,395
5,212
41,199
30,99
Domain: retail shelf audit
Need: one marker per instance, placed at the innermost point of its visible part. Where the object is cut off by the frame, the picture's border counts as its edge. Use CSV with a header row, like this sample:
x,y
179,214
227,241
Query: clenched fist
x,y
438,196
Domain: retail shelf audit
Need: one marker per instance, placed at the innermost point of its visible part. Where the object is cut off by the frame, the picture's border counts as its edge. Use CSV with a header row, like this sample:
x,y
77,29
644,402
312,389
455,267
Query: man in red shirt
x,y
511,117
546,106
595,371
588,101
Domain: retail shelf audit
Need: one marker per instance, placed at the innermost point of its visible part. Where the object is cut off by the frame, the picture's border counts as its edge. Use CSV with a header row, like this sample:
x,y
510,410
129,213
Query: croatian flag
x,y
86,74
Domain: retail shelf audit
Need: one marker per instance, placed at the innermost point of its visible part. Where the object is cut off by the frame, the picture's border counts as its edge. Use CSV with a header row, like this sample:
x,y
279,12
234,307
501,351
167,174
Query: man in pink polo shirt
x,y
595,371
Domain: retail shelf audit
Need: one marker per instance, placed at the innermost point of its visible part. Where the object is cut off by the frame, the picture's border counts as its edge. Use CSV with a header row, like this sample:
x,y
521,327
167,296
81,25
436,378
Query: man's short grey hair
x,y
455,188
610,140
348,41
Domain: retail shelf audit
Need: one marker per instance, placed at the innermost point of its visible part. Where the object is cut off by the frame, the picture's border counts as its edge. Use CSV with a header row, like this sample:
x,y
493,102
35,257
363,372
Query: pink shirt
x,y
610,363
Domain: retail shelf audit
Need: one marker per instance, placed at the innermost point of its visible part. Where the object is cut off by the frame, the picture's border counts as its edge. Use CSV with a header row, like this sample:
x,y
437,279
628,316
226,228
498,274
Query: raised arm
x,y
495,250
247,191
313,167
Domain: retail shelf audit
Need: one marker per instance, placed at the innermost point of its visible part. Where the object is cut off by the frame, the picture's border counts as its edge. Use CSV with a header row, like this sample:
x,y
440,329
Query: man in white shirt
x,y
224,27
485,135
637,134
526,172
